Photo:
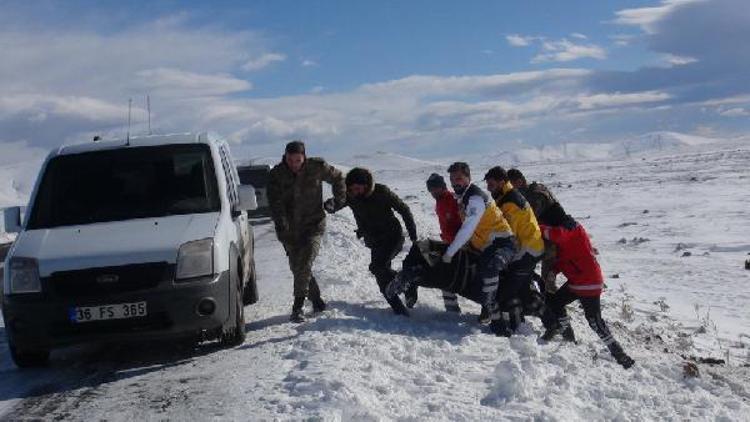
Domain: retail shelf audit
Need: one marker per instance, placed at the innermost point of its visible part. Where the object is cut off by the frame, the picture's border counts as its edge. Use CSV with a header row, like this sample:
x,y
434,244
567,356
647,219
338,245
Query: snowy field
x,y
672,230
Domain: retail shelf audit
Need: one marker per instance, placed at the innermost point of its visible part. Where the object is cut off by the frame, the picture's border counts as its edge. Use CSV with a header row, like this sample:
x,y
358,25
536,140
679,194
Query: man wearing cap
x,y
373,205
295,196
449,218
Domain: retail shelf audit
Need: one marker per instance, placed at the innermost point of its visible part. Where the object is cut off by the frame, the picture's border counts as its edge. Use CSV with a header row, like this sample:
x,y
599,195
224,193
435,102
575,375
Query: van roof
x,y
136,141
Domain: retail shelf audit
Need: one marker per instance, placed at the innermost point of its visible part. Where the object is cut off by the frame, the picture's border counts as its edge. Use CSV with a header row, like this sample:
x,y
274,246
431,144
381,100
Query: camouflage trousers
x,y
302,254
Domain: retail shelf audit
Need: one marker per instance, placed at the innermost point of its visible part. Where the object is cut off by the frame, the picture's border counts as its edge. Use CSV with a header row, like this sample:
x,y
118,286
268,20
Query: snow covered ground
x,y
358,361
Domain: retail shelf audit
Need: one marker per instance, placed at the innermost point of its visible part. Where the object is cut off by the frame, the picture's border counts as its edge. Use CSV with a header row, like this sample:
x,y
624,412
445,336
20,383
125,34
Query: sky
x,y
424,78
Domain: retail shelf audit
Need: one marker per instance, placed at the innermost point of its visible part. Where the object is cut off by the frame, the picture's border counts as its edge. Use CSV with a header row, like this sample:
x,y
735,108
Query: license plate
x,y
107,312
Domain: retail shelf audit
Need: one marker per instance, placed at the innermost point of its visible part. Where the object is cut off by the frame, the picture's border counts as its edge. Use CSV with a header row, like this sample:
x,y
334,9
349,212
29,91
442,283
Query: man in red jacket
x,y
446,208
575,259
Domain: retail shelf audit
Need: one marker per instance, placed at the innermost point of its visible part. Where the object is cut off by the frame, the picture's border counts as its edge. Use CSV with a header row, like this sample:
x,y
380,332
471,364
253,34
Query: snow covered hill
x,y
653,143
672,234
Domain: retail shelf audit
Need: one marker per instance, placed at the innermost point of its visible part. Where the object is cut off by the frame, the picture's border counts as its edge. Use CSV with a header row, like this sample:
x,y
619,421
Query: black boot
x,y
620,356
484,316
515,314
411,297
398,306
569,335
500,328
297,315
317,301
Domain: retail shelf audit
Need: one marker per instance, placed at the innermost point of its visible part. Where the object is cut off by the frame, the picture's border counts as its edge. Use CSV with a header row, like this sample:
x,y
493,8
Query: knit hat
x,y
435,181
295,147
358,176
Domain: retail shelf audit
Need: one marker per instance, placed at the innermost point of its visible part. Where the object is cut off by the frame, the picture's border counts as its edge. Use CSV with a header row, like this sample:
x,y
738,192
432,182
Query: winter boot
x,y
620,356
515,314
411,297
500,327
398,306
297,315
317,301
550,333
318,305
484,316
569,335
399,284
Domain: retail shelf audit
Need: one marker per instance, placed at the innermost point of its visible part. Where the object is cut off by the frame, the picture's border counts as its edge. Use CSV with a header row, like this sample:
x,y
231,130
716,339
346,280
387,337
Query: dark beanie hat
x,y
497,173
295,147
435,181
358,176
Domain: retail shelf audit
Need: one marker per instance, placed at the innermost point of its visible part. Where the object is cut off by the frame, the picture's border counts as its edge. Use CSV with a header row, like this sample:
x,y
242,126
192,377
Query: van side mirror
x,y
248,201
12,220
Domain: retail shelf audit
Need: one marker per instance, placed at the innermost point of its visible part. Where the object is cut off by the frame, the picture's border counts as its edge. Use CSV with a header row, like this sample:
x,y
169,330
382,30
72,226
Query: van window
x,y
123,184
229,177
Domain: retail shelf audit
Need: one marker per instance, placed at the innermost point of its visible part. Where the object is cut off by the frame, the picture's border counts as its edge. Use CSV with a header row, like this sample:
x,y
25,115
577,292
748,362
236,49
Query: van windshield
x,y
123,184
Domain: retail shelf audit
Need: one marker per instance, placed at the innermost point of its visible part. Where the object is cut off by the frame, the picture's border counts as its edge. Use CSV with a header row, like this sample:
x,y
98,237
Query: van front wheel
x,y
28,358
235,335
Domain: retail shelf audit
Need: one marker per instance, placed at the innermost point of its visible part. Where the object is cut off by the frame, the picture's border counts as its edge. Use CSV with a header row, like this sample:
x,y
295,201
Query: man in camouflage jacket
x,y
295,196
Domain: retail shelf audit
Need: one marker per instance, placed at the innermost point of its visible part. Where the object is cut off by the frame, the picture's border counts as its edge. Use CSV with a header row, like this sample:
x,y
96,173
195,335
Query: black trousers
x,y
382,252
591,309
515,282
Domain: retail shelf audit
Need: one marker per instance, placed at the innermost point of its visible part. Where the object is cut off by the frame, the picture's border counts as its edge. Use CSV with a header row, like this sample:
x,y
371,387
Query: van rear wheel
x,y
28,358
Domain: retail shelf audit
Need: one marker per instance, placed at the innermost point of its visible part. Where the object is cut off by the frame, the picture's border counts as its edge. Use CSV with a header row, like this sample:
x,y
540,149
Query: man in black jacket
x,y
372,205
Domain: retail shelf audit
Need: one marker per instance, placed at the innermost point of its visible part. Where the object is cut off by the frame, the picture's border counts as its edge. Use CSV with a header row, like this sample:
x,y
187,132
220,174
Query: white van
x,y
146,239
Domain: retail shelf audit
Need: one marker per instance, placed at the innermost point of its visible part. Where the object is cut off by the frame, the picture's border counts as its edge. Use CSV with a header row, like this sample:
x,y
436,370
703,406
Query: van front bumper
x,y
42,321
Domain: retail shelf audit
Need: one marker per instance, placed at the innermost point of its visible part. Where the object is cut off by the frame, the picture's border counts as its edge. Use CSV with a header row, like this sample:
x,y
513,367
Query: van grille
x,y
109,280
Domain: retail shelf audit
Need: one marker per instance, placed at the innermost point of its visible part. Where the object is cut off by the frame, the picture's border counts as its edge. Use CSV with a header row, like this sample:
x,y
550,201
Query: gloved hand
x,y
447,258
330,205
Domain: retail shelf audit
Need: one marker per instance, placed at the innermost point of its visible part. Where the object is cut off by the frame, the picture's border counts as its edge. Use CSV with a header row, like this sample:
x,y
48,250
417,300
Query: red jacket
x,y
575,259
446,209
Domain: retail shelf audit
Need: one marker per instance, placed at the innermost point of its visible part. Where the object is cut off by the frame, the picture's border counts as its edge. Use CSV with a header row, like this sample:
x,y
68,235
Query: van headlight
x,y
195,259
23,276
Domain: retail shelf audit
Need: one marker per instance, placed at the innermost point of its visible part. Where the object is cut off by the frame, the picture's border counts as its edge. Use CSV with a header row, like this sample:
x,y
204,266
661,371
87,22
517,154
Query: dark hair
x,y
515,174
359,176
295,147
460,166
496,173
436,181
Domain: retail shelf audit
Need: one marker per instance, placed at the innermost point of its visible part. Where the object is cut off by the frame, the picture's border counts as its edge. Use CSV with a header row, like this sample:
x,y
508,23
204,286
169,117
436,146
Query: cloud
x,y
675,60
622,40
519,41
309,63
703,42
175,82
565,51
735,112
579,36
648,17
263,61
599,101
66,84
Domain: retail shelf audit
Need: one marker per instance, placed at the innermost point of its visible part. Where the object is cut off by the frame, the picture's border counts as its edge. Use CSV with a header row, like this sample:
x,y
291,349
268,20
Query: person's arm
x,y
444,214
400,207
554,234
474,211
333,176
276,204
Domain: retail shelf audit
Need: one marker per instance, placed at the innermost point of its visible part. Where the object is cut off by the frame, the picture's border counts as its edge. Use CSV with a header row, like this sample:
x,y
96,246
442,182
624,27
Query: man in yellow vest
x,y
485,229
520,216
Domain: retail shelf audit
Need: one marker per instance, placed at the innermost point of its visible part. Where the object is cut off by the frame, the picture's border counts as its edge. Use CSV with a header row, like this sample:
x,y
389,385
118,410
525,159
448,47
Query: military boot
x,y
315,297
297,310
